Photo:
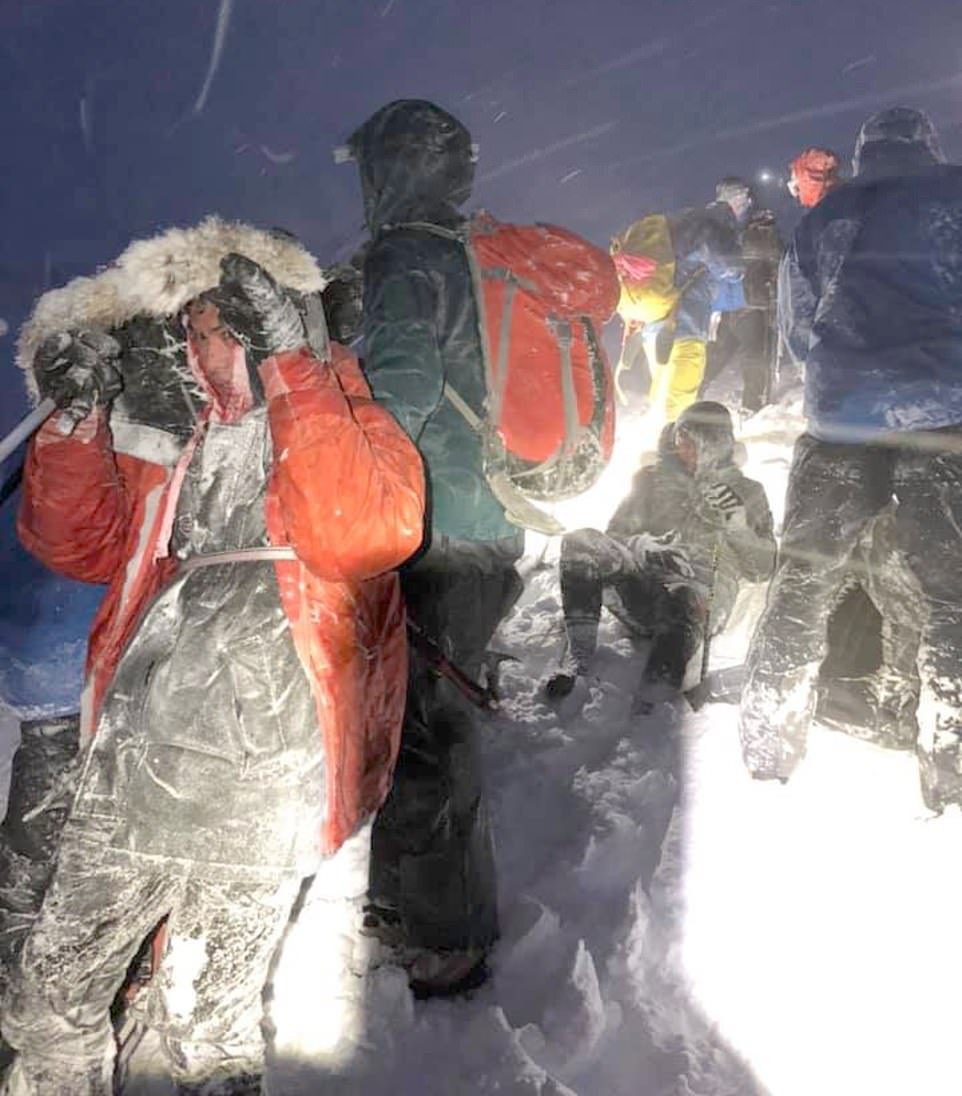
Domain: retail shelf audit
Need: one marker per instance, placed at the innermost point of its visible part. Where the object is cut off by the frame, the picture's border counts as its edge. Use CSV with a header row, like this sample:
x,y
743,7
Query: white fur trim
x,y
158,276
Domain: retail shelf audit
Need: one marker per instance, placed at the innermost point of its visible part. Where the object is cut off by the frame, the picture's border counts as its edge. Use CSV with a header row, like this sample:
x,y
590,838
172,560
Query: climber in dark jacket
x,y
745,332
433,893
691,530
869,303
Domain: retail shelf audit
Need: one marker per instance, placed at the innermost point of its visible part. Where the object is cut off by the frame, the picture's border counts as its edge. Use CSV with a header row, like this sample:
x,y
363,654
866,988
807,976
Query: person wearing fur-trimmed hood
x,y
231,479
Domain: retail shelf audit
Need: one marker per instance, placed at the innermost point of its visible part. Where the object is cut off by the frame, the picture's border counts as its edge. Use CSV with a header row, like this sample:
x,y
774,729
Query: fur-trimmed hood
x,y
156,277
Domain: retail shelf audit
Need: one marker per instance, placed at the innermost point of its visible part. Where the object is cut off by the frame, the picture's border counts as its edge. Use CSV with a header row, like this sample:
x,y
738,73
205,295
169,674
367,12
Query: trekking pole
x,y
706,643
26,427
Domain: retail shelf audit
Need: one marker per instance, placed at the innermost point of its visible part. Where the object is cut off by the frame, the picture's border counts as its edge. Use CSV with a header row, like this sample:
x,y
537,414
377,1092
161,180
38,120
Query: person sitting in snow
x,y
230,477
869,305
669,565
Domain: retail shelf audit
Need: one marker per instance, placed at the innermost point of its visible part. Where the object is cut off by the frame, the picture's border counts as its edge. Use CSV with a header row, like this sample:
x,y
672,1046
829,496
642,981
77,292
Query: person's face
x,y
219,355
686,450
203,319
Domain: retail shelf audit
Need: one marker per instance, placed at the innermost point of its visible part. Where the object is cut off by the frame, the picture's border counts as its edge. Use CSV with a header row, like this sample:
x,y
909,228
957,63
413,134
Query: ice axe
x,y
482,696
694,695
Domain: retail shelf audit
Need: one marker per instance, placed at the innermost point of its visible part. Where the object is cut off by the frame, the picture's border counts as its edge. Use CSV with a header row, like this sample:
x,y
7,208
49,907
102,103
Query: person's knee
x,y
581,544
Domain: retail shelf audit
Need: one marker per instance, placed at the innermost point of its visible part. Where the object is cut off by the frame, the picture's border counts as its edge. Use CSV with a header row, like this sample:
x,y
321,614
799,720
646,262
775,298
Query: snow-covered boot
x,y
581,640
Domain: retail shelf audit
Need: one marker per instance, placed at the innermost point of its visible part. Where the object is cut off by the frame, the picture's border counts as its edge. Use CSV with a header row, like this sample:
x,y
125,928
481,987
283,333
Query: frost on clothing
x,y
97,513
871,305
30,834
871,300
835,491
246,713
622,568
869,681
94,917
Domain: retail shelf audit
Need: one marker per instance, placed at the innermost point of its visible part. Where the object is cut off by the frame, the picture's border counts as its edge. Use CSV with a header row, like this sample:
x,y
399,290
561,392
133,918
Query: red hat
x,y
812,174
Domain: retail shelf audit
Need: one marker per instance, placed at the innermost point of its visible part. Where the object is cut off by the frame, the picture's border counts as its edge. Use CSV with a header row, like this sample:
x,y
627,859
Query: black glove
x,y
256,311
78,371
722,501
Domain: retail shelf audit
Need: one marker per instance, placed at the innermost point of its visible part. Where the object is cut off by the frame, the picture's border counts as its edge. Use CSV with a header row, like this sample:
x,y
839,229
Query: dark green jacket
x,y
420,318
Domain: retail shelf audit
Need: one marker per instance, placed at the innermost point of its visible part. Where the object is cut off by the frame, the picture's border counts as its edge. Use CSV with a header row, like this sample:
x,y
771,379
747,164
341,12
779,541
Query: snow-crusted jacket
x,y
421,326
666,498
870,297
344,490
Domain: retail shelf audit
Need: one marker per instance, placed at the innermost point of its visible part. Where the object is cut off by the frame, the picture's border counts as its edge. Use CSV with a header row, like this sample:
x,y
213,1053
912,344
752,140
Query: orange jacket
x,y
346,493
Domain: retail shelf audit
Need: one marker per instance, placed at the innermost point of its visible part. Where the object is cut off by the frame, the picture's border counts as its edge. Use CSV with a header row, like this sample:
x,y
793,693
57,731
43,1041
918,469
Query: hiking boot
x,y
447,973
560,685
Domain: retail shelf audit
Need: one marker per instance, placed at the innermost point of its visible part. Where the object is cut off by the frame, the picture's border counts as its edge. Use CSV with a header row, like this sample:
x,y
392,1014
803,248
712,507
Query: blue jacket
x,y
708,263
870,297
44,624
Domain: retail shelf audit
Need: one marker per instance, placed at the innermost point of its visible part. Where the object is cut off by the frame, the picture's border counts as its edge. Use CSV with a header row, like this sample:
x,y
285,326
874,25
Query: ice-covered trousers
x,y
36,809
834,490
432,859
597,568
206,998
321,1032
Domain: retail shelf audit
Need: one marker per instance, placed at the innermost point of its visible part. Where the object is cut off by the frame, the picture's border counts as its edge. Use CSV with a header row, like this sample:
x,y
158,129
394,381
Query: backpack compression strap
x,y
519,510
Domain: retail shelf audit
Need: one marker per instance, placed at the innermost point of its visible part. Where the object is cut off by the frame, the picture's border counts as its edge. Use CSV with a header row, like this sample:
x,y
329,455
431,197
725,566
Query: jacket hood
x,y
899,141
709,426
812,174
156,277
416,163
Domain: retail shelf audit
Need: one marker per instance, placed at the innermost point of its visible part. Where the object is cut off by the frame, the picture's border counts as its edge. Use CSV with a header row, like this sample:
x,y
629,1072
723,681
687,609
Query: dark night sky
x,y
588,112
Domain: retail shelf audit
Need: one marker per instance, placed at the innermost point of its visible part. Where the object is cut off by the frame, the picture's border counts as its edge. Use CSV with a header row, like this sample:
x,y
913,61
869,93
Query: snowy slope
x,y
671,928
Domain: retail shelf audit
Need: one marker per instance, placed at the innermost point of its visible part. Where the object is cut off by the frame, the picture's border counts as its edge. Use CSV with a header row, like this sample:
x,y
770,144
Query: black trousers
x,y
599,569
432,858
30,833
745,337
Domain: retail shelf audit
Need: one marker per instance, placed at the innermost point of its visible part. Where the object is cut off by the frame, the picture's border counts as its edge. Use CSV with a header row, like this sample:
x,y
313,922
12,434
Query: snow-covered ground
x,y
670,927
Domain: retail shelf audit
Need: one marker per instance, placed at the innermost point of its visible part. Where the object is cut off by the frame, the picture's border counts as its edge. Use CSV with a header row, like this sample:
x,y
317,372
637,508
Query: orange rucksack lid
x,y
543,285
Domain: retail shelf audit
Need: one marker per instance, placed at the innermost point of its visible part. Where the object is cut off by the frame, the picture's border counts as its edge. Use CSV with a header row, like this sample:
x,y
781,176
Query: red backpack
x,y
543,293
